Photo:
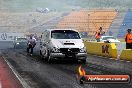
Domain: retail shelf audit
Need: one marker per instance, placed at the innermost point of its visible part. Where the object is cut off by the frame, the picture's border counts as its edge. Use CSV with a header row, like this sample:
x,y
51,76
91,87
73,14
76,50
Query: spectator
x,y
128,39
98,34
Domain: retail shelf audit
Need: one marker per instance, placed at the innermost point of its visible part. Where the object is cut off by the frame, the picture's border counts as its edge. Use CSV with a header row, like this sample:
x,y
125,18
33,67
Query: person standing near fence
x,y
128,39
98,34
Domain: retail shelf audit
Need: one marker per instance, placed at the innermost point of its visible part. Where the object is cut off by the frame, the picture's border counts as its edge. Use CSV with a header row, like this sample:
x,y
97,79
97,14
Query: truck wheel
x,y
42,57
40,53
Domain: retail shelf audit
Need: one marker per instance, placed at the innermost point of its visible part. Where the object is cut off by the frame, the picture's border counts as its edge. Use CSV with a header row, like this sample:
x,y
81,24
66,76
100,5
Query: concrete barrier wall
x,y
102,49
126,54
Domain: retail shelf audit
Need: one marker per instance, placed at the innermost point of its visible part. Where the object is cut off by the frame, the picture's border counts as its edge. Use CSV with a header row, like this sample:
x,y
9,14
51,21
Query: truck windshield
x,y
64,34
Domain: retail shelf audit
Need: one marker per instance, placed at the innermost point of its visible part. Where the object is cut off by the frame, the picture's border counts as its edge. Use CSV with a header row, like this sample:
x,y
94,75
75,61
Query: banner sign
x,y
10,36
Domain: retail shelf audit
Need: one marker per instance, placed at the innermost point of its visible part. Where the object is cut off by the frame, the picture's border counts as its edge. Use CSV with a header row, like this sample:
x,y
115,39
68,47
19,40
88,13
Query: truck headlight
x,y
83,49
55,49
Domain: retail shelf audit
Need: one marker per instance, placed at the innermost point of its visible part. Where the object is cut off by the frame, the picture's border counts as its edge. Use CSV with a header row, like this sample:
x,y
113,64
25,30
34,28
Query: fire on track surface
x,y
40,74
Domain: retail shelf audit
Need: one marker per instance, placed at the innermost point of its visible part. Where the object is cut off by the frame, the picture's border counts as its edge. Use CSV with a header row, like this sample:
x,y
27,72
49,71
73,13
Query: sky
x,y
31,5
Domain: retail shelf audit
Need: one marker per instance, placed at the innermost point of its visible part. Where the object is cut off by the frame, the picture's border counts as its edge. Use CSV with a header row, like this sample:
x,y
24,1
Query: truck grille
x,y
69,50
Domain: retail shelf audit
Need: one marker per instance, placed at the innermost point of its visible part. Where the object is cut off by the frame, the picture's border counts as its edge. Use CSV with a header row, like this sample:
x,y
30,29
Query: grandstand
x,y
127,23
115,26
89,20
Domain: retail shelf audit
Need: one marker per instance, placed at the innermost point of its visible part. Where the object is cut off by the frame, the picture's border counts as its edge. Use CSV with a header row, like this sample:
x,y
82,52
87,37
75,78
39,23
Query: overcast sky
x,y
30,5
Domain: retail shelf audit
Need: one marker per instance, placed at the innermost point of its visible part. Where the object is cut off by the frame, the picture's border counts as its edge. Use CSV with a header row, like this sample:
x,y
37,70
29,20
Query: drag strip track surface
x,y
40,74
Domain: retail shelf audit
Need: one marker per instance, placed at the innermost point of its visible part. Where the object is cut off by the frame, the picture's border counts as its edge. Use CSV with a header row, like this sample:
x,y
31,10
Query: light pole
x,y
88,23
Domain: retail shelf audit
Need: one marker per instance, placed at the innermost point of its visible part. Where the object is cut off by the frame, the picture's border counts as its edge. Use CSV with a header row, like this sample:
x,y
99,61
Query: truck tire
x,y
40,52
42,57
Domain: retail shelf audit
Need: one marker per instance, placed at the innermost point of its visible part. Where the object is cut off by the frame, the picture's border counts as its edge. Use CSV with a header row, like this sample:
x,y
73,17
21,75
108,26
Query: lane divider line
x,y
0,85
22,81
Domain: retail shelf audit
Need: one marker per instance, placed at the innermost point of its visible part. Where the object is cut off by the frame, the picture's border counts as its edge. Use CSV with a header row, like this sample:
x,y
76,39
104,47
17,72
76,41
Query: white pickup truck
x,y
62,44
